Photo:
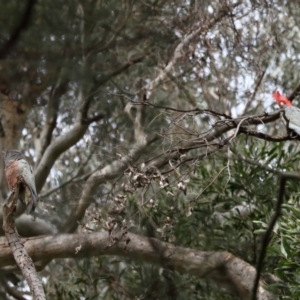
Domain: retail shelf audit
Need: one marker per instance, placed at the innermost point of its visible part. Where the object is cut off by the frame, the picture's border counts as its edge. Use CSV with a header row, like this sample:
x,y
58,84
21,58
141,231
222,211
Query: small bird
x,y
291,113
18,170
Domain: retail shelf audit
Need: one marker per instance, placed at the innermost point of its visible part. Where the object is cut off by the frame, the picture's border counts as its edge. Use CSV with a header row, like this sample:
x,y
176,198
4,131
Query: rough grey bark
x,y
222,268
20,255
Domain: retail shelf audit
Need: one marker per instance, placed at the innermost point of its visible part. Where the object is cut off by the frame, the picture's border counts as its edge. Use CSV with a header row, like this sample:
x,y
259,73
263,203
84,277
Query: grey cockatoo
x,y
291,113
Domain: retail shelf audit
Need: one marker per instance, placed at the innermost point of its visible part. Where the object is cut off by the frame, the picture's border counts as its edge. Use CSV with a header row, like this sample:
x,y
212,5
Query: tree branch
x,y
222,268
295,93
218,129
55,149
258,83
179,51
109,172
21,257
51,118
266,137
11,291
63,143
120,70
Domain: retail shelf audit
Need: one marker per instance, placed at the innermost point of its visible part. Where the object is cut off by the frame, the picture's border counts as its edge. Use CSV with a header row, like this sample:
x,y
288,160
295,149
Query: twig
x,y
238,128
260,78
74,178
196,110
214,179
295,93
266,137
187,39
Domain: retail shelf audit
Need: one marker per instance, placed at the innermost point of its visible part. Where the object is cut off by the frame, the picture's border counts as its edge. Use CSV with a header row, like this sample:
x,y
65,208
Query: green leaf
x,y
283,248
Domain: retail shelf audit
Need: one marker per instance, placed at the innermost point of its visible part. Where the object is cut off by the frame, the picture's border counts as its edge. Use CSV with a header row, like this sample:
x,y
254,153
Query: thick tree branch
x,y
63,143
32,226
28,225
21,257
222,268
55,149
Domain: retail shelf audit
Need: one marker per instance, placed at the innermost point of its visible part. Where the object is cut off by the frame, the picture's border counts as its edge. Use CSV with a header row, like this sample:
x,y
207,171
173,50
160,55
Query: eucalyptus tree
x,y
156,145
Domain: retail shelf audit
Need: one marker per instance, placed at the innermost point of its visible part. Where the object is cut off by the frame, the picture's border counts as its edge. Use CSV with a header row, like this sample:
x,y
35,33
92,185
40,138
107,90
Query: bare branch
x,y
51,117
259,80
179,51
95,118
30,226
11,291
86,102
266,137
76,178
109,172
55,149
64,142
222,268
216,132
295,93
195,110
21,257
120,70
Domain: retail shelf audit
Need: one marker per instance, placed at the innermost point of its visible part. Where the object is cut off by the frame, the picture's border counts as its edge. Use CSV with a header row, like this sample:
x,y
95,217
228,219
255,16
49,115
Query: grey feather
x,y
292,114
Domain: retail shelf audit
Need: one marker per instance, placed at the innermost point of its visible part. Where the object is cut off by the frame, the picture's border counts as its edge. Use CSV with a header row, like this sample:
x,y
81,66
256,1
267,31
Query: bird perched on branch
x,y
291,113
19,171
